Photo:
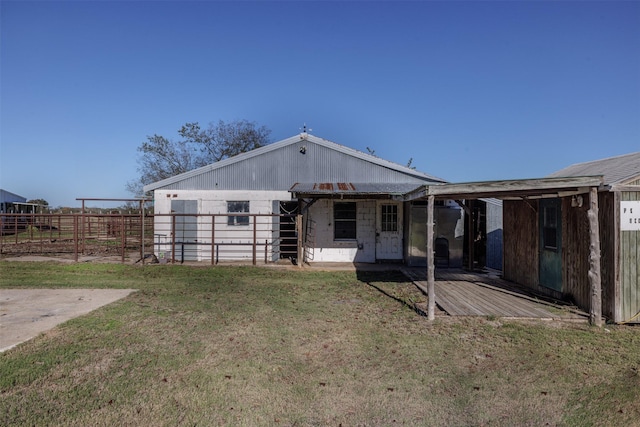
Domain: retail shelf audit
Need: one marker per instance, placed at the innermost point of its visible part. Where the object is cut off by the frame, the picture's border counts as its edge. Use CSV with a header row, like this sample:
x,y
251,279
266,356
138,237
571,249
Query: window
x,y
238,207
550,227
389,218
344,220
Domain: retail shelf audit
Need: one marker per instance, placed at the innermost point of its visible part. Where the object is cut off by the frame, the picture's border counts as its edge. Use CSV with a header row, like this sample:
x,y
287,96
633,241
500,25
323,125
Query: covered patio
x,y
462,298
464,295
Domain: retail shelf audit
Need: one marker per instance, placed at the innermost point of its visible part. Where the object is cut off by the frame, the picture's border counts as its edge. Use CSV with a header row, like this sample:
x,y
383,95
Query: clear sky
x,y
469,90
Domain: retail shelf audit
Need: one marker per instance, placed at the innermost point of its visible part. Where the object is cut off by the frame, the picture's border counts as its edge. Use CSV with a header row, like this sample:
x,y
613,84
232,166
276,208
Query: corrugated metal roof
x,y
300,158
616,170
8,196
352,189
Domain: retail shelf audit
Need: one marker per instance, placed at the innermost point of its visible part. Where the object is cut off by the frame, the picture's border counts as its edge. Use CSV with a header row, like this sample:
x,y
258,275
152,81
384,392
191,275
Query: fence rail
x,y
216,238
75,234
211,238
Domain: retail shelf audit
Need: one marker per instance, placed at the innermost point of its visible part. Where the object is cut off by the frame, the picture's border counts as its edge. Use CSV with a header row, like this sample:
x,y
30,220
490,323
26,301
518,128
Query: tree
x,y
162,158
224,139
41,202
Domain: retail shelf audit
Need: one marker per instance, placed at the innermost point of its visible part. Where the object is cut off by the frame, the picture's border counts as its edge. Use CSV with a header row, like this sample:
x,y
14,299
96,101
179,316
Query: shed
x,y
619,201
574,235
522,234
351,200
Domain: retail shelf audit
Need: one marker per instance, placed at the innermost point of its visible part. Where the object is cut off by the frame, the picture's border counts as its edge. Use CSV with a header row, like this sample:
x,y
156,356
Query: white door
x,y
389,231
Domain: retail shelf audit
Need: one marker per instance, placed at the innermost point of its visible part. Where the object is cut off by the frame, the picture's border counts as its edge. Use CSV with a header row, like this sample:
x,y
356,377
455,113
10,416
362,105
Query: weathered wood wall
x,y
520,232
608,221
575,252
629,267
620,253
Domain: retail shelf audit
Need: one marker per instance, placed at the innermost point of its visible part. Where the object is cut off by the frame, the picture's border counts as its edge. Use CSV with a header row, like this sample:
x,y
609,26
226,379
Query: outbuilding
x,y
351,203
573,236
619,218
13,203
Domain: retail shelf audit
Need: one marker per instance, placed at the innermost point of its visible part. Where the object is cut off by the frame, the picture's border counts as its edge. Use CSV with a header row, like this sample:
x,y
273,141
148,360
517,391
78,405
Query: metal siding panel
x,y
280,169
615,169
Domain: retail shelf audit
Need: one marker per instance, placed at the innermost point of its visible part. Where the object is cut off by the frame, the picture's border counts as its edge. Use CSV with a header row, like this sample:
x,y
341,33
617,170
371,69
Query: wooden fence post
x,y
431,305
595,312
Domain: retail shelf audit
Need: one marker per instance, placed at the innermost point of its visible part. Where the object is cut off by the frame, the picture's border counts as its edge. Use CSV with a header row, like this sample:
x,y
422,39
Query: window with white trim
x,y
236,207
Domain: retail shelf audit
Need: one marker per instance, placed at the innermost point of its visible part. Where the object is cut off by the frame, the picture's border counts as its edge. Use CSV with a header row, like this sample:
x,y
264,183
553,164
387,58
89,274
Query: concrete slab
x,y
25,313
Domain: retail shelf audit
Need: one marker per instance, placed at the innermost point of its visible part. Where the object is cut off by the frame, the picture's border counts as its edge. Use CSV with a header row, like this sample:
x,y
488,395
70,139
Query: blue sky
x,y
469,90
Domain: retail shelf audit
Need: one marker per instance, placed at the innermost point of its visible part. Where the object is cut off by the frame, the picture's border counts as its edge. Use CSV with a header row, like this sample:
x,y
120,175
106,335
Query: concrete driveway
x,y
25,313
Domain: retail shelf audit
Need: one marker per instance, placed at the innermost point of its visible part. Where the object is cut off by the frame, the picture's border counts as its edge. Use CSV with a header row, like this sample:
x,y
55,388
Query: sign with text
x,y
630,216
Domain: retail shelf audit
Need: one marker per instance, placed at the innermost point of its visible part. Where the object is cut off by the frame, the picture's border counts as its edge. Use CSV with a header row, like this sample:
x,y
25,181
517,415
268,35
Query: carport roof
x,y
505,190
509,189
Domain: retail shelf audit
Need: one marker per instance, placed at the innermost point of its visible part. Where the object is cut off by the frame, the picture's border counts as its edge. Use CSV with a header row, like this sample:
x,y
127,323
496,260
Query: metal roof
x,y
8,196
299,158
616,170
509,189
350,189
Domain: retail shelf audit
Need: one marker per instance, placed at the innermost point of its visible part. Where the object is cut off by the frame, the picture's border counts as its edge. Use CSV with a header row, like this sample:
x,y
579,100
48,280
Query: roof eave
x,y
509,189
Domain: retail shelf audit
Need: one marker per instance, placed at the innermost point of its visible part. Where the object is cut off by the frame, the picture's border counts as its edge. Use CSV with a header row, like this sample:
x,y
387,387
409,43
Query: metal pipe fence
x,y
172,238
122,235
216,238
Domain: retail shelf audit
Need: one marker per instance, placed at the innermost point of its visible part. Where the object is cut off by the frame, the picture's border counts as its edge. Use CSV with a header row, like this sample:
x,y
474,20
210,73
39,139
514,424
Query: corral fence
x,y
171,238
74,235
215,238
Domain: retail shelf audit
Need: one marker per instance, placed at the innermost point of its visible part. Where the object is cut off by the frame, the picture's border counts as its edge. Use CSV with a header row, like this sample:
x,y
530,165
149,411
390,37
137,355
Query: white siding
x,y
362,249
215,202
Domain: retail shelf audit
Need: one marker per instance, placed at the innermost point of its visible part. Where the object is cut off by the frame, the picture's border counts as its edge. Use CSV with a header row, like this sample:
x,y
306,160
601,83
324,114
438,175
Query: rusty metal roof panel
x,y
352,189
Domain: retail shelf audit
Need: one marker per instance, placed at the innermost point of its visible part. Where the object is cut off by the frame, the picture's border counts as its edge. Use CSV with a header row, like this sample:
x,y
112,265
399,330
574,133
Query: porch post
x,y
471,238
430,266
595,312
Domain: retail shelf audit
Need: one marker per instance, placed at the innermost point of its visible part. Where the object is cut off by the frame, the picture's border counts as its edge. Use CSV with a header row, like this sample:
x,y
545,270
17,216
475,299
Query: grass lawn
x,y
244,346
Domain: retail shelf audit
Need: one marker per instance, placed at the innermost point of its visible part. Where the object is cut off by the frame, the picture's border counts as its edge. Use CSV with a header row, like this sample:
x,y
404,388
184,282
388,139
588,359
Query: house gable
x,y
302,158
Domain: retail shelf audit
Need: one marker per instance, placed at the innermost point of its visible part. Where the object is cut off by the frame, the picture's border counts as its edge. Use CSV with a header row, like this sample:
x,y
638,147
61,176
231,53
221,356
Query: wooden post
x,y
595,313
471,238
431,280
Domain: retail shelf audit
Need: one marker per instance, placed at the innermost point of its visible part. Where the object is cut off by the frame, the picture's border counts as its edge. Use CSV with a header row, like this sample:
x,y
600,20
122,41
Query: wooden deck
x,y
461,293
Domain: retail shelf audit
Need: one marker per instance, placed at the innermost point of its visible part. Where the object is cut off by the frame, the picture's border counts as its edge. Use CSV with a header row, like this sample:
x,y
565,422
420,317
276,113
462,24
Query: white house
x,y
352,204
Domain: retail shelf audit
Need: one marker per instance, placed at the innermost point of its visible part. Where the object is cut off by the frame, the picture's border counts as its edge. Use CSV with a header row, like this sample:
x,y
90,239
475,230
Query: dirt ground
x,y
26,313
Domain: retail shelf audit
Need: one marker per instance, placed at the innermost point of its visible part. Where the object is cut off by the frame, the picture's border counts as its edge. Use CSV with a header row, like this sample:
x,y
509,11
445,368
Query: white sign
x,y
630,216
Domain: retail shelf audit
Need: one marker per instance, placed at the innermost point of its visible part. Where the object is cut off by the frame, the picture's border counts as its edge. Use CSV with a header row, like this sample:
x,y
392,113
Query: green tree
x,y
162,158
42,202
